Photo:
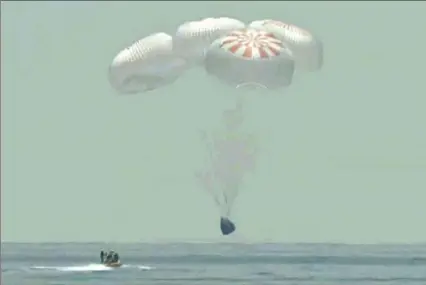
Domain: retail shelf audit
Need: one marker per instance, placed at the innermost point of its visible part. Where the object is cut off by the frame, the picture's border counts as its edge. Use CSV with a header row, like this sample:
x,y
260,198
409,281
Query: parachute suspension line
x,y
227,206
210,187
217,180
216,200
233,120
232,189
207,184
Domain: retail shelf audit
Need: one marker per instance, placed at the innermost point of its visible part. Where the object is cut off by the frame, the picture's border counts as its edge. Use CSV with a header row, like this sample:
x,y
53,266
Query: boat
x,y
113,264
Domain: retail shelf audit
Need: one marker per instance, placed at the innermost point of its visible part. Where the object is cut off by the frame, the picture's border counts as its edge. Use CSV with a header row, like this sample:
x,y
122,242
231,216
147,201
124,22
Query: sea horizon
x,y
222,242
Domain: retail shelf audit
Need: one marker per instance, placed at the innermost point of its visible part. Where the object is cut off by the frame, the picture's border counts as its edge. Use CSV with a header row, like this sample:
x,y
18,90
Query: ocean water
x,y
211,264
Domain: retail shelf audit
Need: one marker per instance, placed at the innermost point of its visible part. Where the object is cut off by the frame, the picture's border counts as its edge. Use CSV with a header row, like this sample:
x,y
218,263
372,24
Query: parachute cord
x,y
216,200
210,159
227,207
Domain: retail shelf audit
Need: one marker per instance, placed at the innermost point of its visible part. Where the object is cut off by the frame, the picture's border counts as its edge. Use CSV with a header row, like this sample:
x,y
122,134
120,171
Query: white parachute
x,y
306,48
193,38
146,65
250,56
263,54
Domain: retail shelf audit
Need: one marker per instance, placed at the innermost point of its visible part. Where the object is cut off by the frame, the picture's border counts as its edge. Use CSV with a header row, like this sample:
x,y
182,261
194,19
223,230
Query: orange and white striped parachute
x,y
306,48
250,56
146,65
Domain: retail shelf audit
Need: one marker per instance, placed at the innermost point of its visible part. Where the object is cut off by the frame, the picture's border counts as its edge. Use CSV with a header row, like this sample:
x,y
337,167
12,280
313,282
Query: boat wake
x,y
90,268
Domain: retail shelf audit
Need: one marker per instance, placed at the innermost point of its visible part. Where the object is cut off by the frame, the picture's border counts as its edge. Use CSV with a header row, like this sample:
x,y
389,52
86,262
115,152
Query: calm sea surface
x,y
208,264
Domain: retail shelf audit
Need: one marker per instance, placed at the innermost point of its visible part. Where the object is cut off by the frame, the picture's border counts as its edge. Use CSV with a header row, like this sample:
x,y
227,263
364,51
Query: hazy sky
x,y
343,151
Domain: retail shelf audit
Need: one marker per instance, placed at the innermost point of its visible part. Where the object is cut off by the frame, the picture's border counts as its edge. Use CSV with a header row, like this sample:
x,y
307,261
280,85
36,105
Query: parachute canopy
x,y
193,38
250,56
146,65
306,48
226,226
264,54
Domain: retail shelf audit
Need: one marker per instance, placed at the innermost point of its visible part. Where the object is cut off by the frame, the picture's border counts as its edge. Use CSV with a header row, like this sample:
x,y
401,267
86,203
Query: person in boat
x,y
115,258
109,256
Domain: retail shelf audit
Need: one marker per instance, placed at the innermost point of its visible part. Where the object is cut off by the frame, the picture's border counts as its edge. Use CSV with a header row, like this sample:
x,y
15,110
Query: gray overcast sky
x,y
343,151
